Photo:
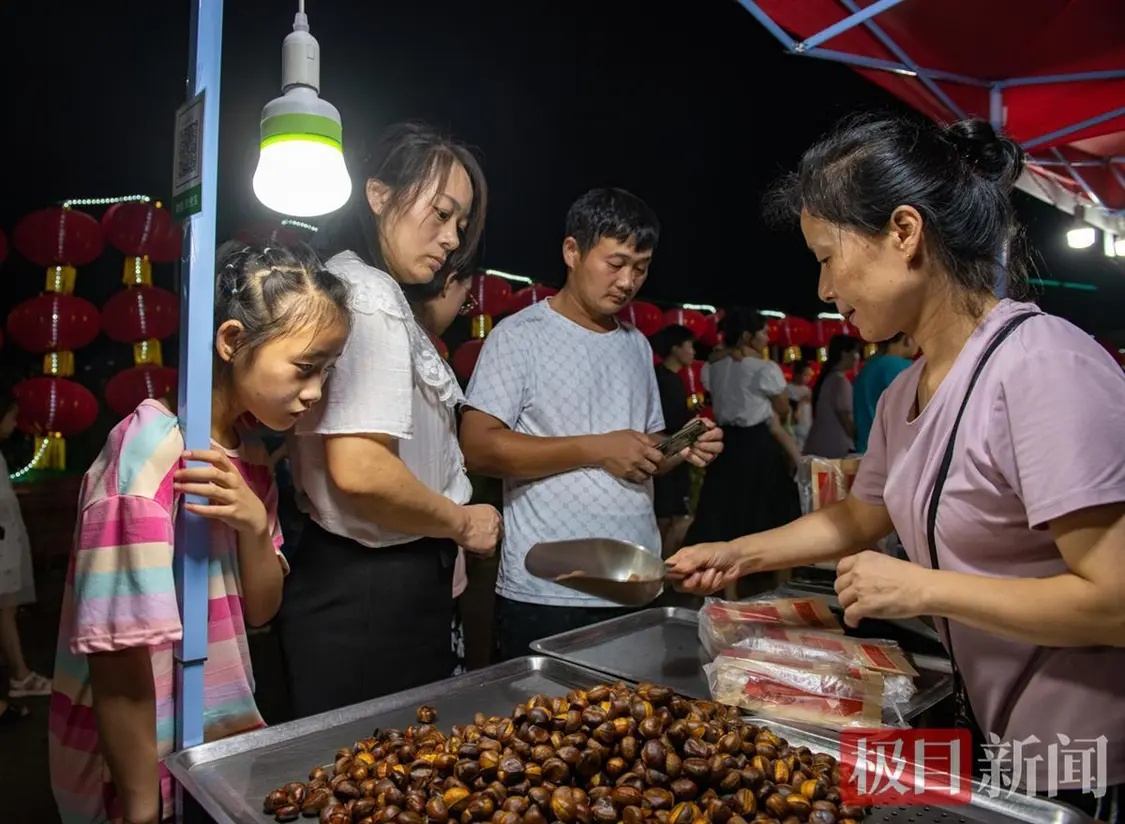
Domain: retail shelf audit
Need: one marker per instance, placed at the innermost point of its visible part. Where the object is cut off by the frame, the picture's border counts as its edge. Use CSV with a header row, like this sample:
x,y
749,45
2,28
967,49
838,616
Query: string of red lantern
x,y
142,314
55,324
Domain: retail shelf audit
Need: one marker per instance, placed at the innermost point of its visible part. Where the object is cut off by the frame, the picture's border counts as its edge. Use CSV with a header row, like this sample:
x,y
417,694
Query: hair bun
x,y
993,156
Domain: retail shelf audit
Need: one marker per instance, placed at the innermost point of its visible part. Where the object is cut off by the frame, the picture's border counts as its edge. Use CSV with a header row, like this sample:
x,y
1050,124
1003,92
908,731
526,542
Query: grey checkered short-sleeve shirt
x,y
543,375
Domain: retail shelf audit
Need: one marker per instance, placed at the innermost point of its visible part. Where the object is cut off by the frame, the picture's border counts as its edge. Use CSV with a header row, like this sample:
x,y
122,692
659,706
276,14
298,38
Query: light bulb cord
x,y
300,6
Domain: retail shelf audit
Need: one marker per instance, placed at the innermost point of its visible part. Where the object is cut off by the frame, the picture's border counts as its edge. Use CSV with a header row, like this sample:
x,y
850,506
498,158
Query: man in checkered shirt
x,y
564,406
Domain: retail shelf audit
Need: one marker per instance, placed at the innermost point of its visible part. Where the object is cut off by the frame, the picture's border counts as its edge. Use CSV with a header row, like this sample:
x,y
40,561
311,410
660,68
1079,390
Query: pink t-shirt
x,y
120,593
1043,436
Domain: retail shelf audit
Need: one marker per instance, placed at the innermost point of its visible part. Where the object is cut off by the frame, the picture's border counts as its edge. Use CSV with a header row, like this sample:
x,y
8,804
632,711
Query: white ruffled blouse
x,y
390,380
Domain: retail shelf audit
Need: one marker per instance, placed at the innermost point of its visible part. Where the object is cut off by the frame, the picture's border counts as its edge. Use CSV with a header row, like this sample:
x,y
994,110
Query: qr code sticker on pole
x,y
187,150
187,169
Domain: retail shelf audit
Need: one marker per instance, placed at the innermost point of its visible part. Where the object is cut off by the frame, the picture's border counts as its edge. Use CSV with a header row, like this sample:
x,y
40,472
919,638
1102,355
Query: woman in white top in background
x,y
434,453
368,603
750,483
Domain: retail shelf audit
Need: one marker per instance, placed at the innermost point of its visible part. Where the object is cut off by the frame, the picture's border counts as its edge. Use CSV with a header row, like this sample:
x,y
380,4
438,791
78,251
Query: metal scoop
x,y
618,571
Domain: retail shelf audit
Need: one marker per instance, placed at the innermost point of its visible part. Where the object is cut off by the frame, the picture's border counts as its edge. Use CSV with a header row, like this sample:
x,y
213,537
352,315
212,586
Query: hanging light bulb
x,y
1081,234
301,170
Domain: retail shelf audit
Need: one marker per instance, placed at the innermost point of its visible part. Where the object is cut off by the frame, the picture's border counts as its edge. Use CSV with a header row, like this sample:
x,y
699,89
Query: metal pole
x,y
192,546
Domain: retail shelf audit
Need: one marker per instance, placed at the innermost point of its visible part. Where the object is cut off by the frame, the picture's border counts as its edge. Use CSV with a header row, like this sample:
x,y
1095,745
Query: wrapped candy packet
x,y
824,481
722,624
885,657
819,677
772,693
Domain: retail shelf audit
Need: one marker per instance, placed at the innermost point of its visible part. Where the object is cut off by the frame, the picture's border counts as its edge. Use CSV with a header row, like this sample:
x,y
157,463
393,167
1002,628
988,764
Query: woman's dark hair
x,y
839,346
800,366
419,293
739,321
407,158
959,177
612,213
665,340
8,399
276,290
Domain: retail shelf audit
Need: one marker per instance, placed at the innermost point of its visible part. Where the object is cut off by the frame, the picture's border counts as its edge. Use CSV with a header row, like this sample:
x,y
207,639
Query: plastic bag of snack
x,y
732,682
821,677
885,657
724,623
823,481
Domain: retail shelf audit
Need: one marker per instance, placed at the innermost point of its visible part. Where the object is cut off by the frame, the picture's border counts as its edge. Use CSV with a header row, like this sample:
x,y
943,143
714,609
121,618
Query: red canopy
x,y
1051,73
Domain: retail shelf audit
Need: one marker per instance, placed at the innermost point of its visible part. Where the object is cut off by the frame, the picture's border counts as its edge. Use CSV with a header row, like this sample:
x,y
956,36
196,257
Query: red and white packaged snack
x,y
884,657
722,624
790,642
733,680
822,677
824,481
838,680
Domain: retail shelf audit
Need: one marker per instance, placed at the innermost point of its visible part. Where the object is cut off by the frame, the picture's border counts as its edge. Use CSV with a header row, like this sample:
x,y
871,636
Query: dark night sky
x,y
692,106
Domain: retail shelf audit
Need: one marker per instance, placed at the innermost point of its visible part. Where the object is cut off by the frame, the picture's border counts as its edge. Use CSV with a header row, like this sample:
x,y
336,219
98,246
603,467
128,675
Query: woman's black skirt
x,y
747,489
358,623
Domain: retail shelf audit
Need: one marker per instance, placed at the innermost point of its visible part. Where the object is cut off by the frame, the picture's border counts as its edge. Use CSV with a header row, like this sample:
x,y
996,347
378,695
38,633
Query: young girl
x,y
281,321
17,584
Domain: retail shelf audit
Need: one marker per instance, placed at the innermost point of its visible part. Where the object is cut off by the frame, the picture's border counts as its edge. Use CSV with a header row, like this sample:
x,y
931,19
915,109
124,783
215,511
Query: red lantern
x,y
465,358
711,336
57,324
695,322
59,239
647,319
125,390
139,230
523,298
167,245
51,409
491,294
792,334
139,313
132,227
692,376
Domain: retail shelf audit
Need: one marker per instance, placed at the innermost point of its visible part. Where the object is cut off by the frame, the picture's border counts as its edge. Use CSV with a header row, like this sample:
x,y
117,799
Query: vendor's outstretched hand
x,y
873,585
705,568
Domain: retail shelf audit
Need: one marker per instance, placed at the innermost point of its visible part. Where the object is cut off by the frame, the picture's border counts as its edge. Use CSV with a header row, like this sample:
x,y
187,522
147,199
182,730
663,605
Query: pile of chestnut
x,y
608,755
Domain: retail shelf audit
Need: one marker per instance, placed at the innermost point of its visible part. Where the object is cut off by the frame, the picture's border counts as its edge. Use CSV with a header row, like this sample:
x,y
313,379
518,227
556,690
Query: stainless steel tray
x,y
984,809
229,778
662,645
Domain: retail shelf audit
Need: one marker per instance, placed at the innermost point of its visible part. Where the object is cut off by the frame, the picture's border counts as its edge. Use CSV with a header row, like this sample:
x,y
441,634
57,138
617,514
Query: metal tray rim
x,y
181,764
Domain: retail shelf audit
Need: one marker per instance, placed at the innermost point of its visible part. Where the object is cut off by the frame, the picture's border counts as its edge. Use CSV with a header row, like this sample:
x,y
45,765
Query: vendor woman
x,y
368,605
997,457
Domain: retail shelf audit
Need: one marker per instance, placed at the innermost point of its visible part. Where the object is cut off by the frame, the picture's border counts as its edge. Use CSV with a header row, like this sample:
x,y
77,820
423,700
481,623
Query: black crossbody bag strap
x,y
964,710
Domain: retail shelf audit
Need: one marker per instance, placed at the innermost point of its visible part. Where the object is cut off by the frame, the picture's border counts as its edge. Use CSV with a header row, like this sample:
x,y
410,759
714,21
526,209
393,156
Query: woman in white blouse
x,y
368,604
749,485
